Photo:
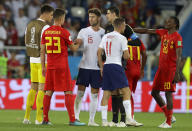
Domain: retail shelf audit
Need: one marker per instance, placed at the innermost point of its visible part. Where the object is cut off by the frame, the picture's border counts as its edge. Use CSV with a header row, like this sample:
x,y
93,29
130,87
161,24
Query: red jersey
x,y
57,40
169,43
135,55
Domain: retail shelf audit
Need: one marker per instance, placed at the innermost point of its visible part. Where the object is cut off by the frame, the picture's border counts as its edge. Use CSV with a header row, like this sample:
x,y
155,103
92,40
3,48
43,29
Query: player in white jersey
x,y
115,46
89,72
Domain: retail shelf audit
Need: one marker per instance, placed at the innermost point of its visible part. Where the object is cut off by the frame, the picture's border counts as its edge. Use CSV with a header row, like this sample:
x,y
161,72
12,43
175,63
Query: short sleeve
x,y
80,34
161,31
124,44
68,39
178,42
101,45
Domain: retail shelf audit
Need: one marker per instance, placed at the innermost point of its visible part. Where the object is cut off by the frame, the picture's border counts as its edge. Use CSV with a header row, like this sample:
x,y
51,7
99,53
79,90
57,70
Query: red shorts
x,y
163,80
132,77
58,80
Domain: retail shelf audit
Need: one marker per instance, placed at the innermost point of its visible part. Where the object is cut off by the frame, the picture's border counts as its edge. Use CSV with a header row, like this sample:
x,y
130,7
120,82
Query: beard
x,y
95,24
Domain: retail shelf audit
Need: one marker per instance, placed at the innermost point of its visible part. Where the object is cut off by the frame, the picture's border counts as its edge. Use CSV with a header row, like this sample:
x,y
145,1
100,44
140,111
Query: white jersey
x,y
114,44
91,40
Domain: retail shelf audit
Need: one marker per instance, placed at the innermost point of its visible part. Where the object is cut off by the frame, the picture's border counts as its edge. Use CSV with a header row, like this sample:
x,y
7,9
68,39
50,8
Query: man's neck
x,y
113,20
172,31
117,30
95,28
42,17
57,23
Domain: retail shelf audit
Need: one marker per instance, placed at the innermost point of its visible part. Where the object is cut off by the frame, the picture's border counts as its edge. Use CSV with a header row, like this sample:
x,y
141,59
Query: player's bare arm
x,y
99,55
144,31
74,46
42,55
144,59
178,60
126,55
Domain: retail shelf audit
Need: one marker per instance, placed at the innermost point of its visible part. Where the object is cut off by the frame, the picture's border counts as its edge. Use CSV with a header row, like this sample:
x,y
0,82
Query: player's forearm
x,y
144,31
144,59
99,56
178,60
74,47
42,56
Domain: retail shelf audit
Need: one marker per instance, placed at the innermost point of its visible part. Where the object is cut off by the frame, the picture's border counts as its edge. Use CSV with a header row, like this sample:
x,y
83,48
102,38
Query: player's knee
x,y
81,87
68,92
94,91
49,93
34,86
41,86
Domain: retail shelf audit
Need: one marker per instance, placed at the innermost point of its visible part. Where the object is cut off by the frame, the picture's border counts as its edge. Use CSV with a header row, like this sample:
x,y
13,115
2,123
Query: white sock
x,y
77,105
127,106
93,107
104,113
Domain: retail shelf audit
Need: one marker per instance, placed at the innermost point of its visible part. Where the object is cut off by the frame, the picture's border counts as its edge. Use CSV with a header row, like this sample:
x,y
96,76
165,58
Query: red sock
x,y
164,109
169,116
132,106
46,106
69,103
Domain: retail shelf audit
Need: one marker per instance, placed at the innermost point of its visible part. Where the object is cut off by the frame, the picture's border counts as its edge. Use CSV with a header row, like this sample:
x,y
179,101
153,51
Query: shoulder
x,y
177,36
46,27
84,30
128,27
122,37
162,30
65,31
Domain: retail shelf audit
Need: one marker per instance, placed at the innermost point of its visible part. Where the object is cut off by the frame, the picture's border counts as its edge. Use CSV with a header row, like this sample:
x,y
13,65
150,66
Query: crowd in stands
x,y
15,15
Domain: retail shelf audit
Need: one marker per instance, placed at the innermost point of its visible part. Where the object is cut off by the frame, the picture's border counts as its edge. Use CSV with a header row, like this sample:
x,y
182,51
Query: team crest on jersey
x,y
165,46
90,39
171,46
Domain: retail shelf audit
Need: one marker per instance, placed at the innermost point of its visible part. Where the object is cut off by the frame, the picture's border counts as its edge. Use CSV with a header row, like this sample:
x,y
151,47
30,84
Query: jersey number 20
x,y
57,44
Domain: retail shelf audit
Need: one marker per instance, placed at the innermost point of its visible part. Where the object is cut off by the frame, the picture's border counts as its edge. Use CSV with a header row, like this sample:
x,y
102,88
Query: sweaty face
x,y
49,16
170,23
109,16
93,19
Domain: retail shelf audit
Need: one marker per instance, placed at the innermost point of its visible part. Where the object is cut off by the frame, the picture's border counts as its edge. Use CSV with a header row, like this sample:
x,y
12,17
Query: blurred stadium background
x,y
14,64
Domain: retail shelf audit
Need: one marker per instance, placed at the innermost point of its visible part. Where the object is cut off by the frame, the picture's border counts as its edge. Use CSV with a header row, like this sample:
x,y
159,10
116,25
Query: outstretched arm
x,y
99,56
178,61
144,31
74,46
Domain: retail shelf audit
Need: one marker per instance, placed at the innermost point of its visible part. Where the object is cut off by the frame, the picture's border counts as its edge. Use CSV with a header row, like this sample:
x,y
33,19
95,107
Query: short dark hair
x,y
118,21
115,10
95,11
46,8
176,21
58,13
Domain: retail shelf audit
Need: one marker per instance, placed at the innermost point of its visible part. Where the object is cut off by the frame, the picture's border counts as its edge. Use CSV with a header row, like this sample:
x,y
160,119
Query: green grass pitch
x,y
11,120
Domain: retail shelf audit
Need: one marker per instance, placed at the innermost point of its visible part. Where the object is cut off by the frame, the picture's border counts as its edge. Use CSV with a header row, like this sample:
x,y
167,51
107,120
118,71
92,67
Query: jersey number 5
x,y
57,44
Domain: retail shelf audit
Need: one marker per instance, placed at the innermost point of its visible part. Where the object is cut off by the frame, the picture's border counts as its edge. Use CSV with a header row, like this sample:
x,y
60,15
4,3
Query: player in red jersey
x,y
55,41
167,74
135,69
